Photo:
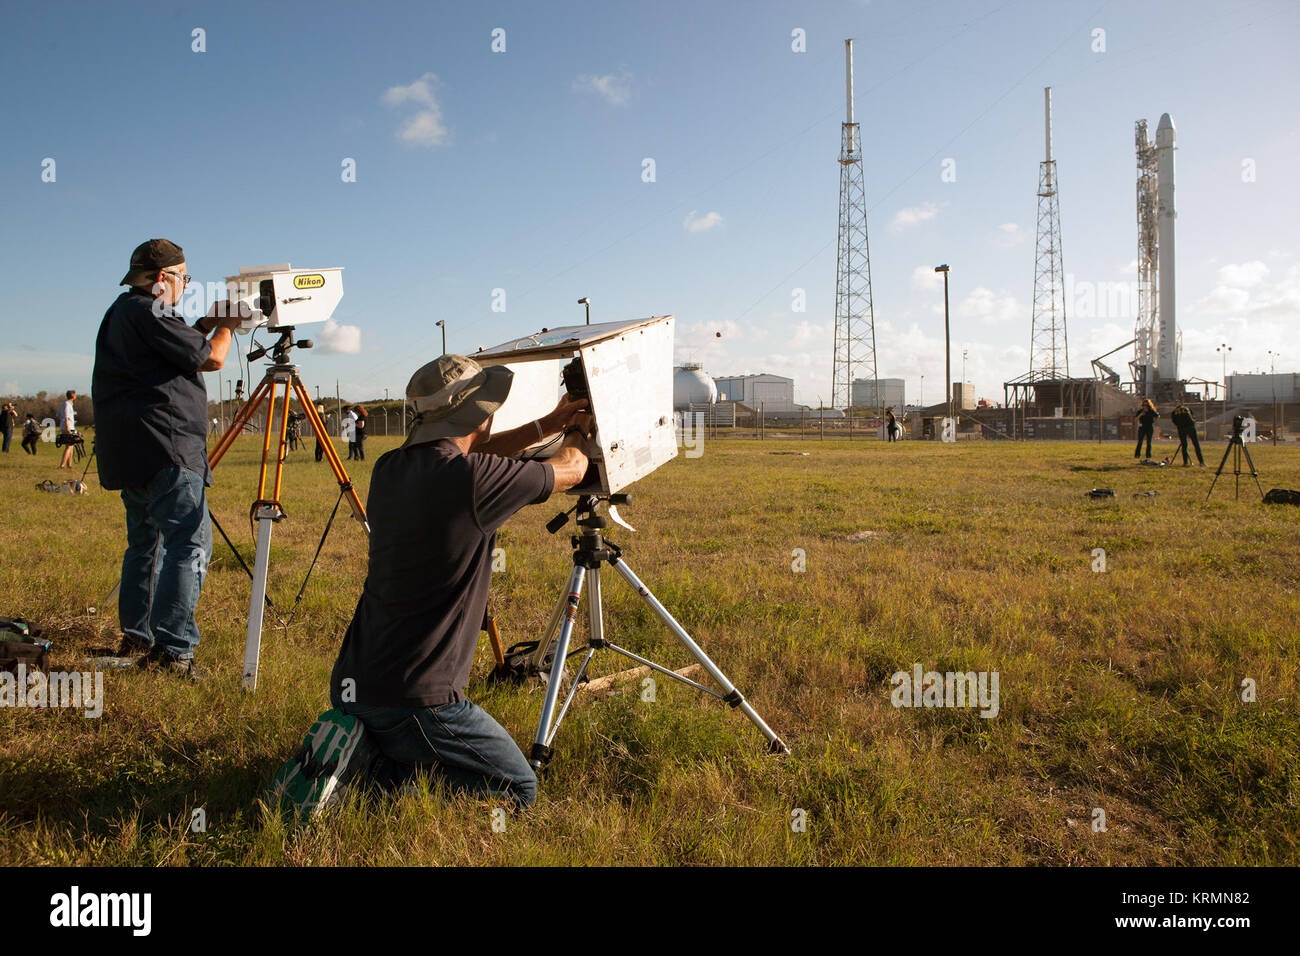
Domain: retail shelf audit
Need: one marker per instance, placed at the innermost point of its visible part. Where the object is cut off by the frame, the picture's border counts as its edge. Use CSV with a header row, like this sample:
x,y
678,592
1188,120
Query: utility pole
x,y
586,300
947,343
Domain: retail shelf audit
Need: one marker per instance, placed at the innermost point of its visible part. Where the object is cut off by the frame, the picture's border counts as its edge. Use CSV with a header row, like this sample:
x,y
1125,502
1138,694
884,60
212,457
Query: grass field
x,y
1119,690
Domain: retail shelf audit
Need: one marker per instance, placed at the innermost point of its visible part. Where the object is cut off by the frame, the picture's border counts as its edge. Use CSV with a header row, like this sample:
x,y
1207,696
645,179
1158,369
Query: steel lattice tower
x,y
1048,356
855,324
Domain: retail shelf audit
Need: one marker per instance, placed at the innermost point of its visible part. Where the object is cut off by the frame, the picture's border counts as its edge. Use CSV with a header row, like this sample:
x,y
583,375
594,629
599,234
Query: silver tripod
x,y
590,551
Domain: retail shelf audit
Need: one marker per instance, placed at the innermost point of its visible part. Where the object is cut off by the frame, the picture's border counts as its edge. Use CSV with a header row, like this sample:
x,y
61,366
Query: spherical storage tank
x,y
692,386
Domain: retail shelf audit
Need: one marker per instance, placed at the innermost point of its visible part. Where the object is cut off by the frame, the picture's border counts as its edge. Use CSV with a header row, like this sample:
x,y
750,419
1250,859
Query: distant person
x,y
292,430
360,431
350,430
1182,417
891,425
8,418
320,439
68,428
151,418
31,434
1146,417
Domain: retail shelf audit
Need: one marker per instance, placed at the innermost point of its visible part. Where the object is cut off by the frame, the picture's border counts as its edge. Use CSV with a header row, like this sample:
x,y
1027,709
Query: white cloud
x,y
1245,275
925,279
1009,234
338,339
910,216
425,127
419,92
694,223
616,90
992,308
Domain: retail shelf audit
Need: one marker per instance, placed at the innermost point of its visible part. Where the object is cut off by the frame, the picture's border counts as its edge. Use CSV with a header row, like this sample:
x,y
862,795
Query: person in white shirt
x,y
68,426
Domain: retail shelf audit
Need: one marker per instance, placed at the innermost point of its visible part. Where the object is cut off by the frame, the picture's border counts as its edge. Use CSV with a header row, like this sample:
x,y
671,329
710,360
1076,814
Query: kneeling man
x,y
434,505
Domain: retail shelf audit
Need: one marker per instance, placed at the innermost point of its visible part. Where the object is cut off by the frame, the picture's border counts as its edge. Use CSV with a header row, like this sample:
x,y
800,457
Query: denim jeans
x,y
168,545
459,742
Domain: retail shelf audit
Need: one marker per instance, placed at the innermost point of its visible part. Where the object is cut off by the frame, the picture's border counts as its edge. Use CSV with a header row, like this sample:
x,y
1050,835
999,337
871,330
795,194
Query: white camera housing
x,y
279,295
629,371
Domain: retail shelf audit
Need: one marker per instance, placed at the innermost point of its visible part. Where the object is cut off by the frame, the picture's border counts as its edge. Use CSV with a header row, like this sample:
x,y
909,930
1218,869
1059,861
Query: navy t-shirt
x,y
434,513
151,407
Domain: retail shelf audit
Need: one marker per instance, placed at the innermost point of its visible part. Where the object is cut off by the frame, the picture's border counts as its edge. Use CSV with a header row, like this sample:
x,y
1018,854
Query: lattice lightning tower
x,y
1048,357
855,324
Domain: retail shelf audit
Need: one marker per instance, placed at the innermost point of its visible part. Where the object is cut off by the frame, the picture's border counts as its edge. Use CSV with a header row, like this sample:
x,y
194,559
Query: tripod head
x,y
586,510
280,350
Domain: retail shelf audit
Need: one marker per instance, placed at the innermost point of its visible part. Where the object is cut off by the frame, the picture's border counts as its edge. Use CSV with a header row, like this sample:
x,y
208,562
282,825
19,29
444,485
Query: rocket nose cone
x,y
1166,122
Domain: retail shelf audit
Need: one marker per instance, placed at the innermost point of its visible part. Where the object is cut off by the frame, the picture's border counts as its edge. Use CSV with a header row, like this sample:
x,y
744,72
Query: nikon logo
x,y
313,280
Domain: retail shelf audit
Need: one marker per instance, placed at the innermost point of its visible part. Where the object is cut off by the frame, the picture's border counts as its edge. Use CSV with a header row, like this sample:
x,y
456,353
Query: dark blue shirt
x,y
151,407
434,513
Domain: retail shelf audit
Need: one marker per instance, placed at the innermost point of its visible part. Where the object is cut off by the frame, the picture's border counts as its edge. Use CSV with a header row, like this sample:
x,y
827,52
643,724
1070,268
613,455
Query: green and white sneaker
x,y
334,752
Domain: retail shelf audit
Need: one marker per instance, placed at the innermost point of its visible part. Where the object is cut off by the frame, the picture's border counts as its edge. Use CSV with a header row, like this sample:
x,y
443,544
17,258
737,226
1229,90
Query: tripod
x,y
1236,448
280,378
590,551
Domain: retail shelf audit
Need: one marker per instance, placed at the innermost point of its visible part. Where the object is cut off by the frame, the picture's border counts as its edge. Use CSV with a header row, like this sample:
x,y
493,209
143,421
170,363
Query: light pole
x,y
385,413
921,397
1223,350
442,324
963,374
587,302
947,343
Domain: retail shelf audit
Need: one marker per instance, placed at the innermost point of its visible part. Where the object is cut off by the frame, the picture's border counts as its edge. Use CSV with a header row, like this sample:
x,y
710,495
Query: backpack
x,y
21,643
1282,496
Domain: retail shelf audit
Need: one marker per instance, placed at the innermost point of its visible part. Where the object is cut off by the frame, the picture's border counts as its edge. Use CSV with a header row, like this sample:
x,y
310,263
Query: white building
x,y
1283,387
893,393
774,393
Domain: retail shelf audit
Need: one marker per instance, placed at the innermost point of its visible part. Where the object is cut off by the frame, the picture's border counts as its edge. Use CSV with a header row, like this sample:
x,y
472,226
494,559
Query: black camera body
x,y
575,379
1238,425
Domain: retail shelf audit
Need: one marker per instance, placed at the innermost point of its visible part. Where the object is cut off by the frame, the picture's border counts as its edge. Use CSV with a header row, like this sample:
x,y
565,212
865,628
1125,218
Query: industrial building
x,y
1283,388
892,393
771,393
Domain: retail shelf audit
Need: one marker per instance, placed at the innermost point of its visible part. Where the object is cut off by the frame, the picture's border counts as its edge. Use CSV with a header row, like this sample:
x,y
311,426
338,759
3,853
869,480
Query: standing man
x,y
1146,418
68,427
8,415
1182,417
435,505
31,434
151,421
320,449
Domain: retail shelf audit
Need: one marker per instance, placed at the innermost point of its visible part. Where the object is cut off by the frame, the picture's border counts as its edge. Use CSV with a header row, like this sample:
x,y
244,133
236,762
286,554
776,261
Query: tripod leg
x,y
1218,471
327,446
548,635
1253,473
595,613
266,515
242,418
729,692
540,753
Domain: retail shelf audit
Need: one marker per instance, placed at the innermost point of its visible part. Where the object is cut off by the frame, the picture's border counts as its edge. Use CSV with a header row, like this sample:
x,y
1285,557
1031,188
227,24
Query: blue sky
x,y
522,171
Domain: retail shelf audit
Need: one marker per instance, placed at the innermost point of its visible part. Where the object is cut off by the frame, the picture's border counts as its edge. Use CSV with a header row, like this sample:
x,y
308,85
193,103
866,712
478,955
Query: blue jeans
x,y
459,742
168,545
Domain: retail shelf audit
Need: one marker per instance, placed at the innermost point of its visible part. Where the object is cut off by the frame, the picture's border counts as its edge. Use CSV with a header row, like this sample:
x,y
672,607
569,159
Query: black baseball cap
x,y
149,258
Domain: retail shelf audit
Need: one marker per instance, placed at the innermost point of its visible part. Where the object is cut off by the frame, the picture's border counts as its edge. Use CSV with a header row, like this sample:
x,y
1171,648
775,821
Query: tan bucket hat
x,y
453,395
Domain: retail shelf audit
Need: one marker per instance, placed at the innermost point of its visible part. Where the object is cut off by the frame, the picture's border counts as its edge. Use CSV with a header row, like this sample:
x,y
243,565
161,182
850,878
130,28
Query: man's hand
x,y
225,314
567,412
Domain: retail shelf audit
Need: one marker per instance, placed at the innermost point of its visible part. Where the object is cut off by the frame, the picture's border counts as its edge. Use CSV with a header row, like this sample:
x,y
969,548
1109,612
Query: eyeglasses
x,y
183,276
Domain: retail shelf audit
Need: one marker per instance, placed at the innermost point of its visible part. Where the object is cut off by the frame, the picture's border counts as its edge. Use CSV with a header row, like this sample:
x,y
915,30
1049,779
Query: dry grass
x,y
1119,690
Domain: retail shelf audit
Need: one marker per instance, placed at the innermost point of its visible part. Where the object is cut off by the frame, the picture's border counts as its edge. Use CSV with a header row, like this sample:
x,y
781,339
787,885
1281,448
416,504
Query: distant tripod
x,y
1236,448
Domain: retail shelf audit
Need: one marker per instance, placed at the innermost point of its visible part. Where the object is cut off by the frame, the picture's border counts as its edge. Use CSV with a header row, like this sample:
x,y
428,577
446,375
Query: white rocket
x,y
1167,349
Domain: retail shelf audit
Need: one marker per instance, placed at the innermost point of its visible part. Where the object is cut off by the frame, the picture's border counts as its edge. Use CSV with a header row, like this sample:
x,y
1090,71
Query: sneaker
x,y
335,752
161,659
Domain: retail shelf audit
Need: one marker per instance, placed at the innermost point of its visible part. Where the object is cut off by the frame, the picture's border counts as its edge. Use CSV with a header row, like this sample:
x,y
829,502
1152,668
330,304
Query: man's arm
x,y
511,443
570,464
225,317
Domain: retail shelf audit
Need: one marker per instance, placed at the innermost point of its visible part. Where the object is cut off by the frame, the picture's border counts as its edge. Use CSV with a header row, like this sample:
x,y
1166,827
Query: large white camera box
x,y
629,372
278,295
